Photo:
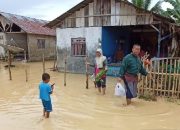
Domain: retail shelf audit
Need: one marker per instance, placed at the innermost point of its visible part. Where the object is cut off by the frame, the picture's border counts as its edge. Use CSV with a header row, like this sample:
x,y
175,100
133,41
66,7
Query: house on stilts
x,y
28,34
114,25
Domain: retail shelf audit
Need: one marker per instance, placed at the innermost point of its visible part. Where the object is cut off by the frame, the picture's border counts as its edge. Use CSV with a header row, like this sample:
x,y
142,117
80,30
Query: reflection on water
x,y
74,107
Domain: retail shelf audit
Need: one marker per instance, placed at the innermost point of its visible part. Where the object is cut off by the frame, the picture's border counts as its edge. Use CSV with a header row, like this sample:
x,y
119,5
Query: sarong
x,y
131,82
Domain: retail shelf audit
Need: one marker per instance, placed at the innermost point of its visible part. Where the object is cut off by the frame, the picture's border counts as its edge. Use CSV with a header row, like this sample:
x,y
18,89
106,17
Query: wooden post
x,y
177,80
87,75
174,79
166,77
178,84
25,58
25,61
150,79
9,65
159,38
158,77
26,74
65,69
162,76
43,64
154,76
169,78
159,42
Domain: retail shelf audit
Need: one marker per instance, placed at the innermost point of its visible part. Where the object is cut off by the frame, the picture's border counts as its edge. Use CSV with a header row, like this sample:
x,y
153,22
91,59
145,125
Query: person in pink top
x,y
100,64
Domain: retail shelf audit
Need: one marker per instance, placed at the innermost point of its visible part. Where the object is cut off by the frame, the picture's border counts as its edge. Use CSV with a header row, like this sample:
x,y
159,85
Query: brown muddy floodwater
x,y
76,108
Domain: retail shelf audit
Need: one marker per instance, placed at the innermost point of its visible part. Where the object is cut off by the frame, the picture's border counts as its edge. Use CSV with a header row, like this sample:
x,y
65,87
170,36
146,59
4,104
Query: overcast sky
x,y
41,9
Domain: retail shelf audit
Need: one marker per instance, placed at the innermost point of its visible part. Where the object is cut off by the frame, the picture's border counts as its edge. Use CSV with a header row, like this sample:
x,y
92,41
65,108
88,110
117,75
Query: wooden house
x,y
114,25
28,34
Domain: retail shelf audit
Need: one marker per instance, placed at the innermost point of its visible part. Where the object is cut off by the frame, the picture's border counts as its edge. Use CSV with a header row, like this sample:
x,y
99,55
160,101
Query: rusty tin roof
x,y
30,25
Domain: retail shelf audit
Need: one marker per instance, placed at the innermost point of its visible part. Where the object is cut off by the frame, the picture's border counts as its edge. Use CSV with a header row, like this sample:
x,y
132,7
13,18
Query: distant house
x,y
116,25
29,34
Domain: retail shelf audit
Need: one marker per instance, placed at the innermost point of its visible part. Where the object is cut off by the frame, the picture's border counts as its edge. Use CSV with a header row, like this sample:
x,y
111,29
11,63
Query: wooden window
x,y
41,43
78,47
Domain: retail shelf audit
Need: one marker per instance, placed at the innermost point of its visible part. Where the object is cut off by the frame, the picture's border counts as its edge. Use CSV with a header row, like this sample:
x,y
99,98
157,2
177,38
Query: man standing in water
x,y
130,68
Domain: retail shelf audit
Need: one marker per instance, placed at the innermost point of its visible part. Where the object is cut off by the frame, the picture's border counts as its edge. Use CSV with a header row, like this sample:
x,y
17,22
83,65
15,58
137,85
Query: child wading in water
x,y
45,90
100,69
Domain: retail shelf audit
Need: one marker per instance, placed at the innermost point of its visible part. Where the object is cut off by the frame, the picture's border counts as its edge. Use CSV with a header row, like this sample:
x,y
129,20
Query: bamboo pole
x,y
9,65
174,78
158,78
145,78
166,75
26,75
87,75
162,76
150,73
25,61
154,77
43,63
178,80
177,77
169,84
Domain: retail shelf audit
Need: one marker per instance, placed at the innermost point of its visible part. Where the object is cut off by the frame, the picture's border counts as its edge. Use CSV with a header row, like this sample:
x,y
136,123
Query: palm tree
x,y
146,4
175,11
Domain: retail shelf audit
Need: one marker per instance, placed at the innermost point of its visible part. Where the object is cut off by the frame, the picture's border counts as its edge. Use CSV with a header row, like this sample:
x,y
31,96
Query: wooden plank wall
x,y
91,12
107,13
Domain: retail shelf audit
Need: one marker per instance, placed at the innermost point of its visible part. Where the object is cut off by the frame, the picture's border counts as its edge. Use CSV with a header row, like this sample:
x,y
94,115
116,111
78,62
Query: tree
x,y
175,11
146,4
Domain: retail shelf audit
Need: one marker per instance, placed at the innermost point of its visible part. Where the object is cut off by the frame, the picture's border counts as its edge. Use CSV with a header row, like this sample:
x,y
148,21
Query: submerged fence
x,y
163,78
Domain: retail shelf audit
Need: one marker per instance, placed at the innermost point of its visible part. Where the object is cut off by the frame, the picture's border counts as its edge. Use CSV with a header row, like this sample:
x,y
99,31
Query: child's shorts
x,y
101,83
47,105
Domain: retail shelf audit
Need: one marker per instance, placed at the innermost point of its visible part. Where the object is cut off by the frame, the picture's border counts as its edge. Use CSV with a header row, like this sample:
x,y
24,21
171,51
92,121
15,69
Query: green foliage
x,y
175,11
146,4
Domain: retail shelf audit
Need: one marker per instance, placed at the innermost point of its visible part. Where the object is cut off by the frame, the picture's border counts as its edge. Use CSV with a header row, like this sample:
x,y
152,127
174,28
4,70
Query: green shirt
x,y
132,64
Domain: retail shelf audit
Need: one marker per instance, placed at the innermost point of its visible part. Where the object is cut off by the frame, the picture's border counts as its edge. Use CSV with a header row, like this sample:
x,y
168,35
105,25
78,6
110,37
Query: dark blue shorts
x,y
101,83
47,105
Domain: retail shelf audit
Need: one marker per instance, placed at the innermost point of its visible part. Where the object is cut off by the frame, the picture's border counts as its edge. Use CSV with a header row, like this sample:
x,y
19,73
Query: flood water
x,y
74,107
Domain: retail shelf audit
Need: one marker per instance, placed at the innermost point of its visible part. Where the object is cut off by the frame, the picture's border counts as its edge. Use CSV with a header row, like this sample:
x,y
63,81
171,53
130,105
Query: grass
x,y
148,96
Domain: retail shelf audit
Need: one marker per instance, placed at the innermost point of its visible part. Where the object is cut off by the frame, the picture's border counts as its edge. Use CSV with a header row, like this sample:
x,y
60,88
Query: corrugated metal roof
x,y
30,25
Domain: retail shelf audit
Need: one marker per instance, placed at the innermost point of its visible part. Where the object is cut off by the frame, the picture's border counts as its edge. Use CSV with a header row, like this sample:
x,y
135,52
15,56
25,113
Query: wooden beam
x,y
105,15
155,28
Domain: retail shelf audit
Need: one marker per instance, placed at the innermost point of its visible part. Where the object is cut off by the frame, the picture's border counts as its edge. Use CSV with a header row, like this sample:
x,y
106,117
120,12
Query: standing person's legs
x,y
103,84
44,108
131,91
98,84
128,101
47,114
44,112
47,108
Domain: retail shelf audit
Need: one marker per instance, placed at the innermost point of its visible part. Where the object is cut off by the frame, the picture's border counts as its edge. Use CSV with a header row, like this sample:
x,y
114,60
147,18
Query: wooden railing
x,y
163,78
